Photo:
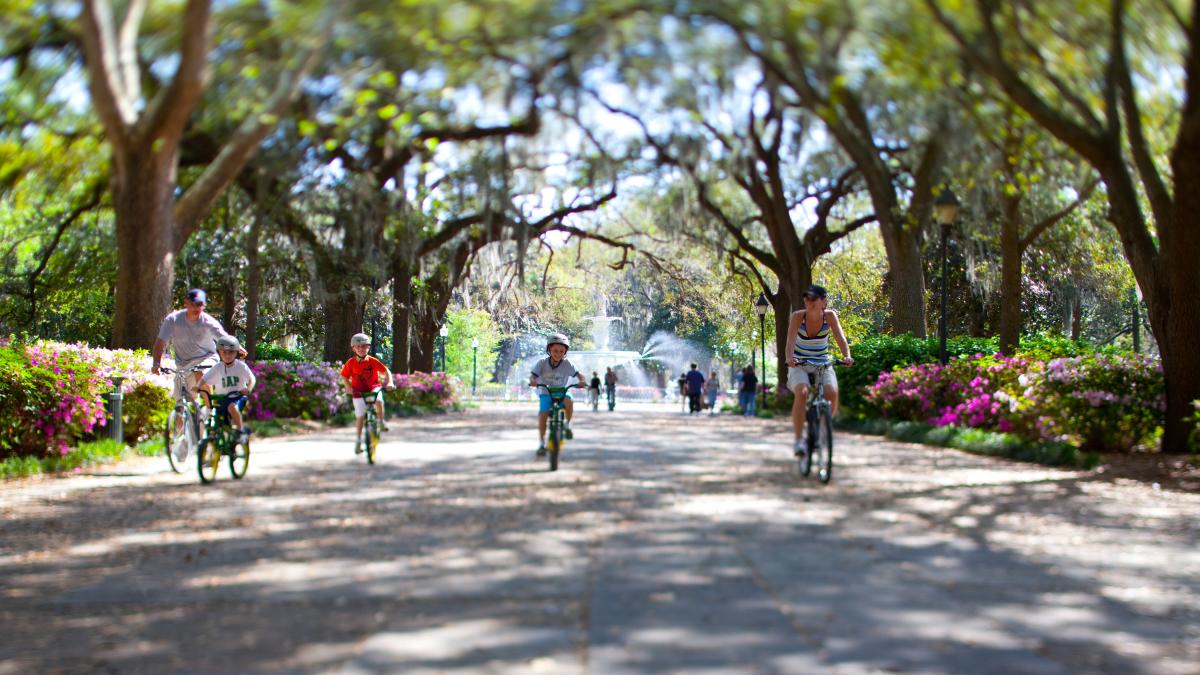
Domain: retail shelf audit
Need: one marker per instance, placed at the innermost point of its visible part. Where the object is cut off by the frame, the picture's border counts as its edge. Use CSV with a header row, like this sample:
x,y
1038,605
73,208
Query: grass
x,y
976,441
91,453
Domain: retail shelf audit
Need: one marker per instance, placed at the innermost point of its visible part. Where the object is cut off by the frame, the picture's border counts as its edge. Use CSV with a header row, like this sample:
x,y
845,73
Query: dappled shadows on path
x,y
665,543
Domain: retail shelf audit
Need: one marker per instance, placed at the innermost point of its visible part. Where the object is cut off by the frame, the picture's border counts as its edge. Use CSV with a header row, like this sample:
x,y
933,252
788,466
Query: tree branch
x,y
198,200
112,103
1045,223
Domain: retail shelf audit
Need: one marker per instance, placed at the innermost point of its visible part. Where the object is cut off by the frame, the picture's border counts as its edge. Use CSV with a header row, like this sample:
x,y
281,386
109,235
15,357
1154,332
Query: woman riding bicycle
x,y
553,371
808,340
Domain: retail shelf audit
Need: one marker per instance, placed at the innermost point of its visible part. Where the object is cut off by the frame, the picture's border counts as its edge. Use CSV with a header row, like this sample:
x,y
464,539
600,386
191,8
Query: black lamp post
x,y
444,331
761,308
945,208
474,361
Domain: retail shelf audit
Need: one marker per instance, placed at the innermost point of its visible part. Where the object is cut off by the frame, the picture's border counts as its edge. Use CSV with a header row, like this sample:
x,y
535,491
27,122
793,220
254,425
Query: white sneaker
x,y
358,449
800,448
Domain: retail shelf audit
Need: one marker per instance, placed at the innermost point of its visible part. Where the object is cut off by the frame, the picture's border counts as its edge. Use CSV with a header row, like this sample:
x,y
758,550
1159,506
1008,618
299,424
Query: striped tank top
x,y
814,348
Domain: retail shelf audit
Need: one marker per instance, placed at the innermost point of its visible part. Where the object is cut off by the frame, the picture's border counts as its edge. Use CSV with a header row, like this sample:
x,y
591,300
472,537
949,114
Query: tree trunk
x,y
401,315
142,188
253,273
1179,331
343,309
1010,277
423,345
228,304
906,292
782,302
1077,319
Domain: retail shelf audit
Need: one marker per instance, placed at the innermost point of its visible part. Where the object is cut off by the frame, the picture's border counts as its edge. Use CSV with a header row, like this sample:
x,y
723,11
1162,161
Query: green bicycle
x,y
222,440
557,432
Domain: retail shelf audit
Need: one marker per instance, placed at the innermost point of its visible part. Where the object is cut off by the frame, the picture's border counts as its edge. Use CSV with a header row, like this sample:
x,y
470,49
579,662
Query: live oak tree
x,y
1090,84
154,214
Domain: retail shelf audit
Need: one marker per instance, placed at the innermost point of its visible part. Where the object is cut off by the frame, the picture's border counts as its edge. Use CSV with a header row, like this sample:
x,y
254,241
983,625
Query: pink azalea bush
x,y
293,389
423,392
1099,402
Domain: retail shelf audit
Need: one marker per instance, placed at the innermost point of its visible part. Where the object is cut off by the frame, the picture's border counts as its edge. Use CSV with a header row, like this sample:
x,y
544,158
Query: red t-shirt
x,y
363,375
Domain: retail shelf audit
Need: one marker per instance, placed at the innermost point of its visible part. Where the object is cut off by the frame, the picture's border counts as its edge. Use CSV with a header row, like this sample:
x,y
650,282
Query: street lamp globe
x,y
761,307
945,207
444,331
474,343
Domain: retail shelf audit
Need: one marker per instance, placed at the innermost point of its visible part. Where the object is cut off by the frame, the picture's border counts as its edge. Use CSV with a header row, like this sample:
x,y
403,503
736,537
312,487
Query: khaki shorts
x,y
799,376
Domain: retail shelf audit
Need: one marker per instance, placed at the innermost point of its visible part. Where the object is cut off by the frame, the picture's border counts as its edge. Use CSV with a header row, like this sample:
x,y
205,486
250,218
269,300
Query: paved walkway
x,y
664,544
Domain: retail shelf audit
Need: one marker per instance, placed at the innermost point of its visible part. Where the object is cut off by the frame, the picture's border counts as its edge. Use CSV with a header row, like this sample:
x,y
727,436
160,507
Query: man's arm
x,y
157,352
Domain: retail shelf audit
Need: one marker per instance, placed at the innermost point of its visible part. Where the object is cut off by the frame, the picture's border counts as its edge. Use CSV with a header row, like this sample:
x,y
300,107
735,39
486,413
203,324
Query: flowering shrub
x,y
1194,420
424,391
289,389
1100,402
48,397
147,402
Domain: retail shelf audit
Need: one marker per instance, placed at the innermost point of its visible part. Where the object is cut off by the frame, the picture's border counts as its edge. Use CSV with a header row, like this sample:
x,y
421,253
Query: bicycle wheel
x,y
554,446
208,460
239,458
177,436
554,442
825,446
370,439
810,441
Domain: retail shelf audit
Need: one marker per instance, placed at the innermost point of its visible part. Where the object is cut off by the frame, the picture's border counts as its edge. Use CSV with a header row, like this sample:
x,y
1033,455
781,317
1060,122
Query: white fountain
x,y
601,357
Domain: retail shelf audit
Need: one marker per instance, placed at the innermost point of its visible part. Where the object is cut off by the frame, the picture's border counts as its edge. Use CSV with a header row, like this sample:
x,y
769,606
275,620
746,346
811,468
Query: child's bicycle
x,y
557,432
818,425
369,438
222,440
182,432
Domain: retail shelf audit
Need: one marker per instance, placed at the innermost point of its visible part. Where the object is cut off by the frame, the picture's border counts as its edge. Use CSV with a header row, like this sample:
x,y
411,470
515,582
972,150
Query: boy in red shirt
x,y
364,373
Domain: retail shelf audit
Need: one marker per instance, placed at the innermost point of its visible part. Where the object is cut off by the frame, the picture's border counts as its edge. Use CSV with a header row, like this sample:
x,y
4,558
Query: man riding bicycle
x,y
192,334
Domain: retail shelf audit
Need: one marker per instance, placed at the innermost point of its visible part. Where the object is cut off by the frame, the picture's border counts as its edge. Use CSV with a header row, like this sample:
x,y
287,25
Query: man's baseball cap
x,y
815,292
197,295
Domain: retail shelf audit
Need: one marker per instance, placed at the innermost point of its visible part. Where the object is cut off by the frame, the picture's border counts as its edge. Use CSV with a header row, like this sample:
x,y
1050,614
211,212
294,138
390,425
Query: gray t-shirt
x,y
554,376
192,340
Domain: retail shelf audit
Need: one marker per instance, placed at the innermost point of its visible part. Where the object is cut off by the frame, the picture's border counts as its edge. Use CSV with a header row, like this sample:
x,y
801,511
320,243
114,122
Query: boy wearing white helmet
x,y
364,373
553,371
230,379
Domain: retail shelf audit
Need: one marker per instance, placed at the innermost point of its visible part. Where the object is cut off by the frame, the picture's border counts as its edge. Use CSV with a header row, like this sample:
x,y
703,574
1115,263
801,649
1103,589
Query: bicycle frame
x,y
557,421
818,422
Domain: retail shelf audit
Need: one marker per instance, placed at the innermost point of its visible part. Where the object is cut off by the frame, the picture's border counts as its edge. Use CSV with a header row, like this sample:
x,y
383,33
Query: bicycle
x,y
818,435
222,440
182,432
557,433
369,438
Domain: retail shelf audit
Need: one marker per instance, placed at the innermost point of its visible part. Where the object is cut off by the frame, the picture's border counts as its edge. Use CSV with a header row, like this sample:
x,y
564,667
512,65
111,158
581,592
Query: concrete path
x,y
665,543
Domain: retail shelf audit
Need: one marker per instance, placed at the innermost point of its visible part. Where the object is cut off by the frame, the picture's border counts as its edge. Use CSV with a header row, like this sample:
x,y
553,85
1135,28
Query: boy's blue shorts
x,y
544,402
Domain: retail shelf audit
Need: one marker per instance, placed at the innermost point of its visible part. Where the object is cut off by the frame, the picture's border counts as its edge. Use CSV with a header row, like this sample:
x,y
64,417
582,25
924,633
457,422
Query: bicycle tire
x,y
239,458
171,438
810,442
825,447
370,440
554,448
208,460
